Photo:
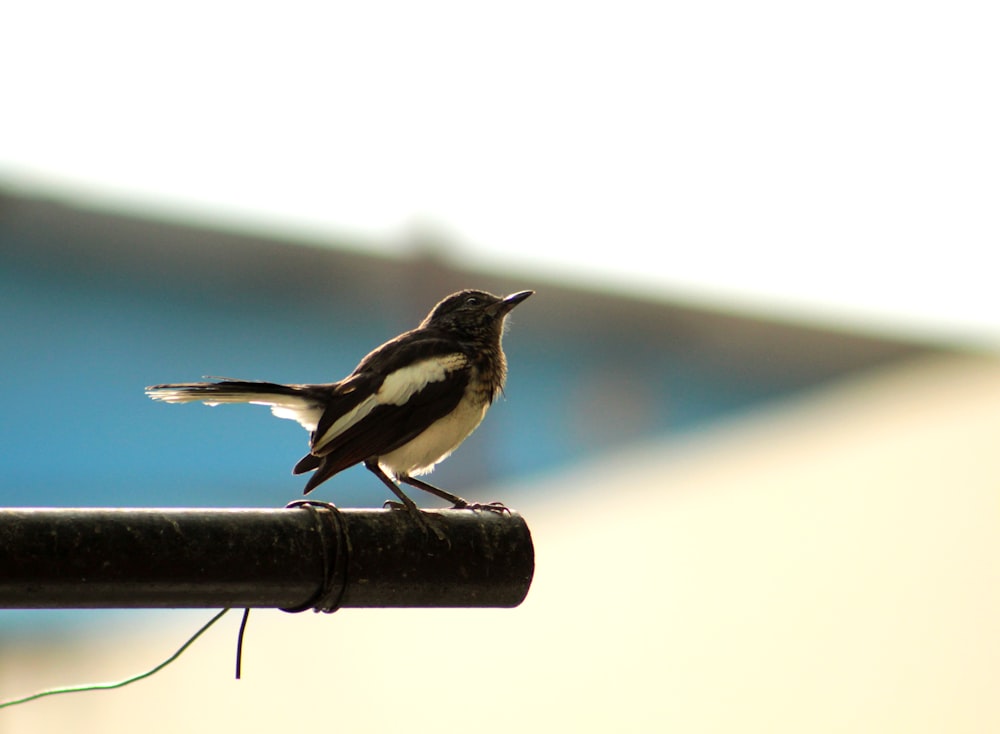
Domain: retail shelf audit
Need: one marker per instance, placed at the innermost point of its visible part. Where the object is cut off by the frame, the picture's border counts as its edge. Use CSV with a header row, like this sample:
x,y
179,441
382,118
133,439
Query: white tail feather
x,y
301,409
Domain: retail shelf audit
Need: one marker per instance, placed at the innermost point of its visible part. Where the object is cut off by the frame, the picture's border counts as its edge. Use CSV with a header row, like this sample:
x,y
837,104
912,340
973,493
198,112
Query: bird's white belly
x,y
421,454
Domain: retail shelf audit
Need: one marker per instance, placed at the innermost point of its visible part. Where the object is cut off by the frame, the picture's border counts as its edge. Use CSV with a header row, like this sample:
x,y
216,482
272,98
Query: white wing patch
x,y
400,385
396,389
345,421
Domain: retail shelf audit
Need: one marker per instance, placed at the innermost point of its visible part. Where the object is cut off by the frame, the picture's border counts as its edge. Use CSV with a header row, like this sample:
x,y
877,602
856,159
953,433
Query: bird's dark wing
x,y
401,391
385,429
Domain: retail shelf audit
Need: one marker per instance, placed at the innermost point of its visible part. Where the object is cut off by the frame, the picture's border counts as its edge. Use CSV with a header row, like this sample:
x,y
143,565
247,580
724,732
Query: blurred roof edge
x,y
152,248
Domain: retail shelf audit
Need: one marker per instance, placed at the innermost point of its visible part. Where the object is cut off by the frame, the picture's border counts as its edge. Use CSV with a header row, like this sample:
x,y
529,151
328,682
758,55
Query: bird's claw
x,y
421,519
498,507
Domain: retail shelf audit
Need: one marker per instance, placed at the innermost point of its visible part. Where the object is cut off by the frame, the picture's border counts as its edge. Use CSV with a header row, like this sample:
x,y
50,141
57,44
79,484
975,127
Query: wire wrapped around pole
x,y
331,525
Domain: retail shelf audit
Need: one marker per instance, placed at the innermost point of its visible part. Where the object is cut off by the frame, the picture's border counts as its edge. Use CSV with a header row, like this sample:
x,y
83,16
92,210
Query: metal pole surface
x,y
294,558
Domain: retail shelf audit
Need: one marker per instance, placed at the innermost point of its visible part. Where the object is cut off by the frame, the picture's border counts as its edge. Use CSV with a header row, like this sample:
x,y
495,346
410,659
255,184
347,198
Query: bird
x,y
405,408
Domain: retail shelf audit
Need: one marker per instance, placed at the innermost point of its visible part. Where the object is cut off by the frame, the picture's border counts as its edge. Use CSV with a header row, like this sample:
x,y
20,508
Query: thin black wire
x,y
330,594
239,643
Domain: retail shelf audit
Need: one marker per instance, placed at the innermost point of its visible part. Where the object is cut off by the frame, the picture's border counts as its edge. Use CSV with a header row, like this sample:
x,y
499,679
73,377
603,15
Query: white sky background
x,y
832,160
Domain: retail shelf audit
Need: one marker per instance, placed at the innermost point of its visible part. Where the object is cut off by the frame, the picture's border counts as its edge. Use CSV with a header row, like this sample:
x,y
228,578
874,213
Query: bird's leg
x,y
407,503
457,502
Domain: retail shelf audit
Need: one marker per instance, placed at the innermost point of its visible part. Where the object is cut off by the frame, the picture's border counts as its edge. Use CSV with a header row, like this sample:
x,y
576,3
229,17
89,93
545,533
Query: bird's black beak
x,y
505,306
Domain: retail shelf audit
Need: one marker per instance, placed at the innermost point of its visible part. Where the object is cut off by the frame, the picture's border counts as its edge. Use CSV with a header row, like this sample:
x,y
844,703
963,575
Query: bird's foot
x,y
498,507
419,517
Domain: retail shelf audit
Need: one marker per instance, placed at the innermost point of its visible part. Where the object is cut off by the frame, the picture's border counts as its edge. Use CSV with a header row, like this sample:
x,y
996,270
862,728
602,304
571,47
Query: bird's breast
x,y
438,440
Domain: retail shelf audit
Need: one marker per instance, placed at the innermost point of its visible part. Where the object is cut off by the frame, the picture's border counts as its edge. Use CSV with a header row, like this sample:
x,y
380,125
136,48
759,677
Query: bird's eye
x,y
472,301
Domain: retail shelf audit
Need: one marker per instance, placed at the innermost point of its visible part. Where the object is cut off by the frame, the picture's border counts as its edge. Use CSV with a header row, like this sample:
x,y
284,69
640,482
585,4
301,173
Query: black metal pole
x,y
295,558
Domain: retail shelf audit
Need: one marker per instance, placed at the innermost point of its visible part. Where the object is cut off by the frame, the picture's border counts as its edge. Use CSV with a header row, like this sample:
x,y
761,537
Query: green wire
x,y
121,683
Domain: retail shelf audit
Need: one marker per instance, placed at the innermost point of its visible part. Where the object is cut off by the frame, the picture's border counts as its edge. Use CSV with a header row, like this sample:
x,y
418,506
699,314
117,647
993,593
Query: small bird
x,y
405,407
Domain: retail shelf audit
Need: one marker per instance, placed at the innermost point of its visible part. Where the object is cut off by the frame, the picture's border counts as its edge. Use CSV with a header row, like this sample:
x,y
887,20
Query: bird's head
x,y
473,314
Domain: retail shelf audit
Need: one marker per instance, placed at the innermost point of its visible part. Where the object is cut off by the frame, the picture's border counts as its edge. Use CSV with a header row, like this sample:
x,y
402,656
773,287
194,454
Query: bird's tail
x,y
295,402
